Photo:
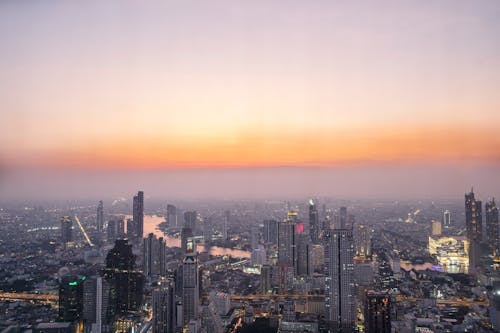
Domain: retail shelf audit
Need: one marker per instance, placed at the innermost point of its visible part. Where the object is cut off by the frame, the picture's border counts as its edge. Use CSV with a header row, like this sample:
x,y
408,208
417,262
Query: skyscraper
x,y
153,255
339,281
270,231
188,243
71,298
190,288
100,216
492,225
172,216
304,267
66,229
138,215
287,254
447,218
473,222
265,279
111,231
164,307
363,242
121,274
190,220
314,227
377,312
98,311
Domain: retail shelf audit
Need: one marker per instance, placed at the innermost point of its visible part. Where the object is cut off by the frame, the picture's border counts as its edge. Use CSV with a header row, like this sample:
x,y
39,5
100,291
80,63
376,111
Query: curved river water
x,y
151,223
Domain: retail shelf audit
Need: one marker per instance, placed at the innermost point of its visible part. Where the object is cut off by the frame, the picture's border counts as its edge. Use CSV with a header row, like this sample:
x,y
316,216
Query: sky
x,y
178,97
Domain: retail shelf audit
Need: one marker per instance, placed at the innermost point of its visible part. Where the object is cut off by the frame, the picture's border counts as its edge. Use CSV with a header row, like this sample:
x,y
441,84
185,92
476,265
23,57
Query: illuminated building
x,y
66,229
436,228
314,228
100,216
164,308
447,218
287,251
190,288
377,312
452,252
339,280
473,222
491,211
138,215
71,298
363,242
188,243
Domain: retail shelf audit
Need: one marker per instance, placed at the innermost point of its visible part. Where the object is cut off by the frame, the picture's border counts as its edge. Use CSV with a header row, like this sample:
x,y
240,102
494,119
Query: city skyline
x,y
125,88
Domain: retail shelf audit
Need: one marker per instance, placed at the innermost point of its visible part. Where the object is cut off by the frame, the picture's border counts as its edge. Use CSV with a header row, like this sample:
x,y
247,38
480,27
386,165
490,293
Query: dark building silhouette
x,y
100,216
172,216
98,301
342,218
491,212
377,312
71,298
190,288
164,307
121,274
339,280
190,220
270,233
138,214
153,255
314,227
66,229
473,222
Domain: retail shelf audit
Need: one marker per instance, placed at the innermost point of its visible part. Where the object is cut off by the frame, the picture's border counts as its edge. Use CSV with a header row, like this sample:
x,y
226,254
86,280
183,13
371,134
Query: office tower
x,y
377,312
153,255
225,224
138,215
127,282
66,229
266,280
447,218
164,307
270,232
286,243
436,228
190,288
100,216
473,222
304,267
188,243
314,228
131,229
111,231
98,312
172,216
339,280
342,218
71,298
491,211
190,220
363,242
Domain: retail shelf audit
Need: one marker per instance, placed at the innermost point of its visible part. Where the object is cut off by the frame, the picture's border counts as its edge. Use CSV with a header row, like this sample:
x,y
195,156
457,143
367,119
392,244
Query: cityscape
x,y
260,166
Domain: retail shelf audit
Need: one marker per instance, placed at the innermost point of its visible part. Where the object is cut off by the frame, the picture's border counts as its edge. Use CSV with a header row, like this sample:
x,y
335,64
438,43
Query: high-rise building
x,y
138,215
363,242
266,279
339,280
491,211
154,255
342,218
188,243
473,222
100,216
66,229
254,236
225,224
164,307
314,227
377,312
98,311
172,216
270,233
190,220
127,282
447,219
190,288
287,251
111,230
71,298
436,228
304,264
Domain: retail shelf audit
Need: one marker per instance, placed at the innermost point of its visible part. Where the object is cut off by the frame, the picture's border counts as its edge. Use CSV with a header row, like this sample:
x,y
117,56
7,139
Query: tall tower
x,y
70,298
271,231
97,301
446,219
153,255
363,242
172,216
377,312
190,220
473,222
314,228
164,307
287,251
138,215
190,288
339,281
492,226
100,216
66,229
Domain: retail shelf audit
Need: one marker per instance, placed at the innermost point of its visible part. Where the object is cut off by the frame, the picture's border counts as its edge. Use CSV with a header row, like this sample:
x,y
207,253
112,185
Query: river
x,y
151,223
